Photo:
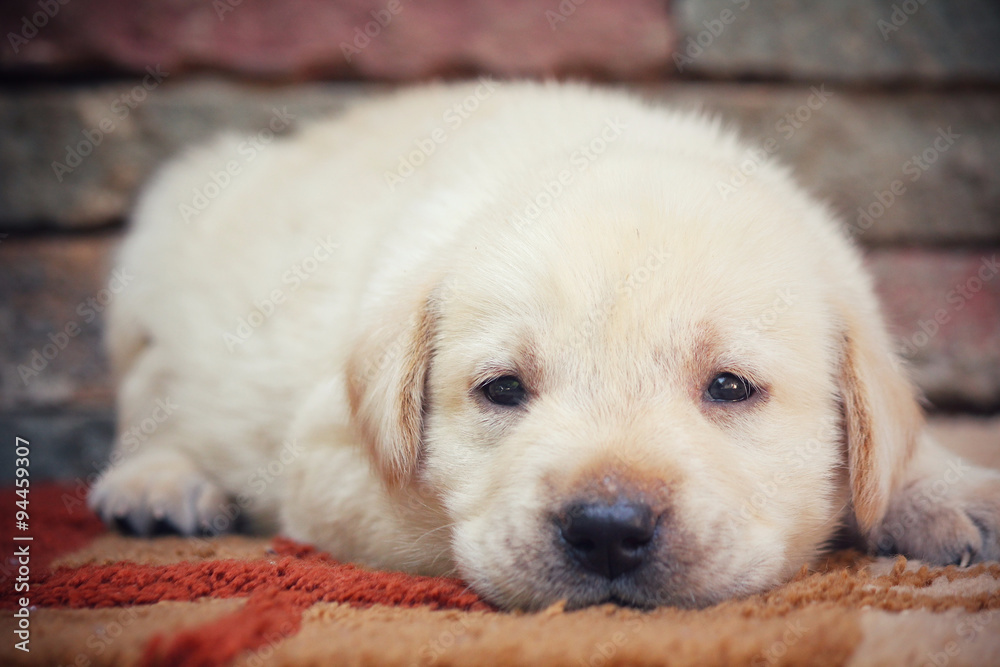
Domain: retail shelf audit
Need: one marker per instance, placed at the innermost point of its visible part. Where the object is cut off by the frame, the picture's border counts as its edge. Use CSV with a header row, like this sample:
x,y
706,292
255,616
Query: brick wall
x,y
890,111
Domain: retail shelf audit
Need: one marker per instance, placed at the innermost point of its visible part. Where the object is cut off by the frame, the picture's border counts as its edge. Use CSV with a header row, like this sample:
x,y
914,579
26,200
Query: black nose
x,y
608,539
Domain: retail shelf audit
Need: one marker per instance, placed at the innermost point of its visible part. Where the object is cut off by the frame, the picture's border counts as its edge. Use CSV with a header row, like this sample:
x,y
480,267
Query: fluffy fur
x,y
325,324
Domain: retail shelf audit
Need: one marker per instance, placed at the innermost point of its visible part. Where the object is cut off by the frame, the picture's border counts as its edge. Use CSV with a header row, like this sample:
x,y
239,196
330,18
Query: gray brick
x,y
74,157
849,151
848,40
64,445
852,148
52,355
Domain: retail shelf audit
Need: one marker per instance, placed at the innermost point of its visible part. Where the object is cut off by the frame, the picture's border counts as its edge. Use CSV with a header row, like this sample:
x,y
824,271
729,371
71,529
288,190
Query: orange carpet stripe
x,y
92,586
274,609
269,616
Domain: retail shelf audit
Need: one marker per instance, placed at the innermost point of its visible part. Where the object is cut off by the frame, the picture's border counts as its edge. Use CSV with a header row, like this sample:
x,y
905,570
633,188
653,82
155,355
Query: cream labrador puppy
x,y
541,337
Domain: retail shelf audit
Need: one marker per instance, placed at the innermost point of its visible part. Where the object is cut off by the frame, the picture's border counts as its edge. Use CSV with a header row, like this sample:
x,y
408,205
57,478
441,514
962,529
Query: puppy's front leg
x,y
946,511
160,489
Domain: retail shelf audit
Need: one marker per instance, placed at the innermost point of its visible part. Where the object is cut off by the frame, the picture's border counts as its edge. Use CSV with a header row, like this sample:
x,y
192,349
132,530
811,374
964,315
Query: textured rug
x,y
96,598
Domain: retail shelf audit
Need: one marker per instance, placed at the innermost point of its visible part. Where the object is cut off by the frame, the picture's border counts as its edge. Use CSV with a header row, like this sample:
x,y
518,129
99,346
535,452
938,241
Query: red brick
x,y
303,38
956,358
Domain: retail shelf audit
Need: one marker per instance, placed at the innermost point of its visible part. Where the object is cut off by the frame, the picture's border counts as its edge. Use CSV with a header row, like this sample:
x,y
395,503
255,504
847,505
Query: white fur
x,y
637,280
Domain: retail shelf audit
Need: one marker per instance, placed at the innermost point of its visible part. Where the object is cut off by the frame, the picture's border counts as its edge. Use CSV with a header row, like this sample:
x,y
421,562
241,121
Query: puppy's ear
x,y
387,375
882,417
910,495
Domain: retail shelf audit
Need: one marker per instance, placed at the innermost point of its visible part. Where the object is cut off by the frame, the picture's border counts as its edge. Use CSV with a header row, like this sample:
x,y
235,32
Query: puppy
x,y
530,335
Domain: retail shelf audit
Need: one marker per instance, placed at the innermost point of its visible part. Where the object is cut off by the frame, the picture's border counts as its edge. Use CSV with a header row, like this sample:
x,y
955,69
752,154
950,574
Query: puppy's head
x,y
648,393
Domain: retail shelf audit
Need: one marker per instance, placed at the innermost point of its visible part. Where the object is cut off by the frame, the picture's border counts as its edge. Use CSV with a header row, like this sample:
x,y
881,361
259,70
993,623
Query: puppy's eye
x,y
729,388
507,390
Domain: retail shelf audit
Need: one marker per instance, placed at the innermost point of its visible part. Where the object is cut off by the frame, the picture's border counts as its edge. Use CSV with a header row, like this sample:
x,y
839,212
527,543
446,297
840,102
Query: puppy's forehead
x,y
635,259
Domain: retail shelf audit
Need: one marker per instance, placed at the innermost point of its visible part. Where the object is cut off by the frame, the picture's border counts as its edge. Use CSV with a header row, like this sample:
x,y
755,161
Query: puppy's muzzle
x,y
608,539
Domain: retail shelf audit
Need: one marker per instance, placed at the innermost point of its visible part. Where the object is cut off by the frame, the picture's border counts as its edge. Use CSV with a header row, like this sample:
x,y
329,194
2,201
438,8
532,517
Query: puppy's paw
x,y
945,520
155,494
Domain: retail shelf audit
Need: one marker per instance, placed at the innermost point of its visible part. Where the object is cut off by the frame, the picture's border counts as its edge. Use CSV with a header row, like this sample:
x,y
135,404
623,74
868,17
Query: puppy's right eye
x,y
729,388
507,391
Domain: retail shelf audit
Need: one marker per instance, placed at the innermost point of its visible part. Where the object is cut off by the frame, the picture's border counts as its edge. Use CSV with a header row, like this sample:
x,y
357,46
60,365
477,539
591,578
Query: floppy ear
x,y
882,417
386,380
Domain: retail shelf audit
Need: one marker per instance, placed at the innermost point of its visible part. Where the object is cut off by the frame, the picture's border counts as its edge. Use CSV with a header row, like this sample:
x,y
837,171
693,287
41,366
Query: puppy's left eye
x,y
729,388
507,391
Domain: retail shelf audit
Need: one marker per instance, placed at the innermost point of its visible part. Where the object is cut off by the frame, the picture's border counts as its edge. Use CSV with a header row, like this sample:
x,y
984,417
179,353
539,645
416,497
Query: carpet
x,y
98,598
